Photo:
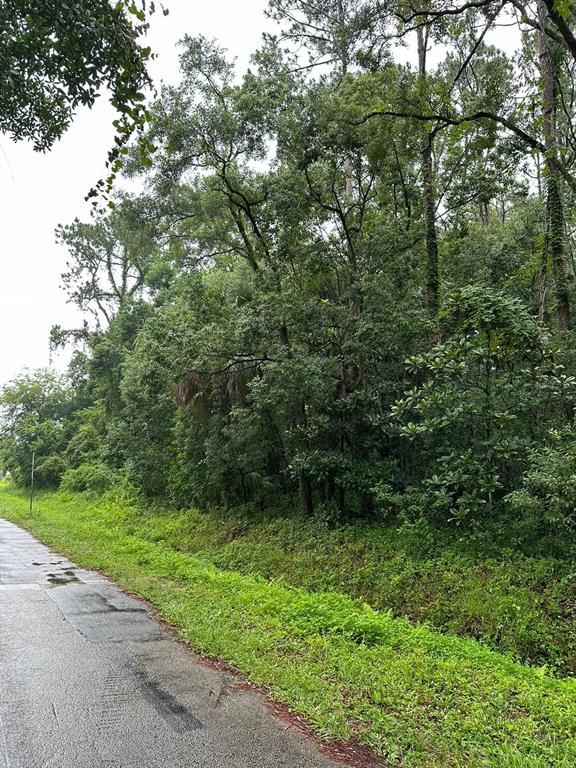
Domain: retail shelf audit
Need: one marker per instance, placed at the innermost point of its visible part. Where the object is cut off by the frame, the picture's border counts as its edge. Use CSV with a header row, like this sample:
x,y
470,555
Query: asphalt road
x,y
88,679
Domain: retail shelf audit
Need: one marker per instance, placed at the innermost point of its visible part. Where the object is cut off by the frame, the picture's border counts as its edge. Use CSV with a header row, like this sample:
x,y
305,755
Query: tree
x,y
554,204
493,369
257,303
36,415
108,264
335,34
57,56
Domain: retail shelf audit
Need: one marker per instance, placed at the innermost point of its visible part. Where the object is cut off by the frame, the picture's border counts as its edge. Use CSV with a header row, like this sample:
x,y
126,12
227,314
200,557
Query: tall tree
x,y
554,204
432,276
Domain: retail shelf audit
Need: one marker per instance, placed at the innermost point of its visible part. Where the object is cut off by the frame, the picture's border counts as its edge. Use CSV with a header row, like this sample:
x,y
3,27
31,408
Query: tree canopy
x,y
347,284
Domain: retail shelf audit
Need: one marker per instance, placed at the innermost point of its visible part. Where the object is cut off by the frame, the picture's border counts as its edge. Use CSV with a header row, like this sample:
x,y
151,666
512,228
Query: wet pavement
x,y
88,679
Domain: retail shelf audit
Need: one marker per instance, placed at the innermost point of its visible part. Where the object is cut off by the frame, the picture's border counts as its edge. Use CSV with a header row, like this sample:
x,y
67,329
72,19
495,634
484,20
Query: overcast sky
x,y
38,192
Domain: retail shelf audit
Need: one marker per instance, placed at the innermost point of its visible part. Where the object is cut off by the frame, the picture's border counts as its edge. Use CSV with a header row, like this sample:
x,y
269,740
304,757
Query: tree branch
x,y
444,121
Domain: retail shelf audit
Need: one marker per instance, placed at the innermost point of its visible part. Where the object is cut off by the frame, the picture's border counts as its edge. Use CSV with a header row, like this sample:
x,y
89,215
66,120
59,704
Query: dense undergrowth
x,y
512,593
521,602
418,697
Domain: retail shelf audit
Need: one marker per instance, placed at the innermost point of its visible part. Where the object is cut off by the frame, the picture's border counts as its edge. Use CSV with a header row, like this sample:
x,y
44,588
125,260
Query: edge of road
x,y
348,753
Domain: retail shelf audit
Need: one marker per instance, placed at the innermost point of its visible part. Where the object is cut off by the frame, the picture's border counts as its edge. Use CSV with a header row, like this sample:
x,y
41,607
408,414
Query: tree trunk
x,y
432,282
554,203
432,276
555,210
306,496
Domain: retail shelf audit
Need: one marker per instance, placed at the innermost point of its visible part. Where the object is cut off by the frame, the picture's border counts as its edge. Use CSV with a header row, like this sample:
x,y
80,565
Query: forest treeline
x,y
347,286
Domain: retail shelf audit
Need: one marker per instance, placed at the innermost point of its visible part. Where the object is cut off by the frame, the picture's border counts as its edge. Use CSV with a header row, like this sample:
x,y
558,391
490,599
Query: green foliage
x,y
500,586
36,412
343,291
109,261
343,294
56,57
49,470
84,444
249,316
546,500
506,590
95,477
488,393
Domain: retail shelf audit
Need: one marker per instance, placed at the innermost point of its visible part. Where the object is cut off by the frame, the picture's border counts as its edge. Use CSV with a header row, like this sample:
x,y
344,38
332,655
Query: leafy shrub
x,y
89,476
483,397
49,471
547,497
84,445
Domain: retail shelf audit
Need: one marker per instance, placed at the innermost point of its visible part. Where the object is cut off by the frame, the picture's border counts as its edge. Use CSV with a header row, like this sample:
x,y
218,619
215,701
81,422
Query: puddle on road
x,y
61,579
108,607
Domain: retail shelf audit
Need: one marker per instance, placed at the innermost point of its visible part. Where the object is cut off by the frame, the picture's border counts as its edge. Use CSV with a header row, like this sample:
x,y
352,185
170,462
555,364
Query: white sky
x,y
40,191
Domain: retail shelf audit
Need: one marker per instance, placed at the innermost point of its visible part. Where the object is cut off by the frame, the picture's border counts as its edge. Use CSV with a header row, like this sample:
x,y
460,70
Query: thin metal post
x,y
32,479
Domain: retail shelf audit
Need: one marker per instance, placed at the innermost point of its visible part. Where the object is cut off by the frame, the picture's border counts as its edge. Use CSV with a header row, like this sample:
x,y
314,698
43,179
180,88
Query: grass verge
x,y
513,593
417,697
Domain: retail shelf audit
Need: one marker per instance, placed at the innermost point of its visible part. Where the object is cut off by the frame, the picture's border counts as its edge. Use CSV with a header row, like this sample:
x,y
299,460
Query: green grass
x,y
418,697
523,604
